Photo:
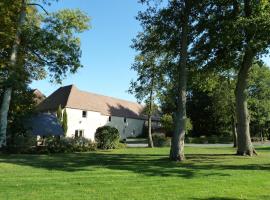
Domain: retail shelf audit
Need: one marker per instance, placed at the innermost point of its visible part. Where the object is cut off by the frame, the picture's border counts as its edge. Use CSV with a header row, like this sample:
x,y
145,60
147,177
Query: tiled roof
x,y
71,97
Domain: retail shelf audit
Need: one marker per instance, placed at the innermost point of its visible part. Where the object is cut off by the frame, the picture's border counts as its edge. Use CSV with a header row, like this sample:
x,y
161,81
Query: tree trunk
x,y
3,116
13,61
234,132
244,145
177,143
150,139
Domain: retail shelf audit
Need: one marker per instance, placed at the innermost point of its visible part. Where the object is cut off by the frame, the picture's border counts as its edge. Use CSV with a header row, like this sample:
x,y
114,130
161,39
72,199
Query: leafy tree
x,y
235,36
12,64
258,100
146,86
49,45
22,106
168,33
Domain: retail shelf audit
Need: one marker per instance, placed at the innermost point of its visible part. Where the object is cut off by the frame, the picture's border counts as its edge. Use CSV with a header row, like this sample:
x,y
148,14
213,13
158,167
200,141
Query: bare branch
x,y
36,4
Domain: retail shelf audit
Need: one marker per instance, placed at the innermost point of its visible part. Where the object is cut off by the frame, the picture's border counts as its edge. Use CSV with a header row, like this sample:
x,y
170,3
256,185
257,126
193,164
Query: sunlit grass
x,y
209,173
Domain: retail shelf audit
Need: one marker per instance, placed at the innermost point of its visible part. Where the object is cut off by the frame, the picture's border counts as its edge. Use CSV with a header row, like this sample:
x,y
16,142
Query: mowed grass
x,y
136,173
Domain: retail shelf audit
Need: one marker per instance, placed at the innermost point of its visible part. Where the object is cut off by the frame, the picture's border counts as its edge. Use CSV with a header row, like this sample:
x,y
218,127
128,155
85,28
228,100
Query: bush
x,y
65,145
121,145
107,137
214,139
20,143
259,139
69,145
160,140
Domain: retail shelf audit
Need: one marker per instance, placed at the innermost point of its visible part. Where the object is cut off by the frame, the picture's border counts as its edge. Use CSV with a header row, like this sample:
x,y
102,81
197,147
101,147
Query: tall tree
x,y
146,85
238,35
12,64
49,44
168,32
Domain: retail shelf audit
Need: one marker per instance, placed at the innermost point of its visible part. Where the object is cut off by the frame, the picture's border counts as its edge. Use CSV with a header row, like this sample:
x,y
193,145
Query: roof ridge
x,y
115,98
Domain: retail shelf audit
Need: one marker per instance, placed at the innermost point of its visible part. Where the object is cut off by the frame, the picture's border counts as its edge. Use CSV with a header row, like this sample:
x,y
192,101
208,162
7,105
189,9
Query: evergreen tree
x,y
59,114
65,122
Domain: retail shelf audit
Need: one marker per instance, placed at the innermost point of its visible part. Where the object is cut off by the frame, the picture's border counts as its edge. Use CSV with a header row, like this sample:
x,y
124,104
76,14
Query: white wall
x,y
133,127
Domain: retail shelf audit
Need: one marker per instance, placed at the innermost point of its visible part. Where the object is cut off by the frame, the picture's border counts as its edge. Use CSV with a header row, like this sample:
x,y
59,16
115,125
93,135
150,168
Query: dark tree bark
x,y
177,143
8,91
244,144
150,139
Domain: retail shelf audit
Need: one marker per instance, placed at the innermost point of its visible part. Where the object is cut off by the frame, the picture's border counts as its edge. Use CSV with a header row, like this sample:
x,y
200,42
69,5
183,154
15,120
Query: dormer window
x,y
84,114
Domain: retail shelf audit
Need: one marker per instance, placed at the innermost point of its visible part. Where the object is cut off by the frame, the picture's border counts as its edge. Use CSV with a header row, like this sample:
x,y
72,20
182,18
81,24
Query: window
x,y
110,119
125,120
84,114
79,133
76,133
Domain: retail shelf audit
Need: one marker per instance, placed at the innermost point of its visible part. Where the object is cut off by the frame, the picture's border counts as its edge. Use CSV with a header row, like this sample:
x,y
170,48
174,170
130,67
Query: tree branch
x,y
42,59
36,4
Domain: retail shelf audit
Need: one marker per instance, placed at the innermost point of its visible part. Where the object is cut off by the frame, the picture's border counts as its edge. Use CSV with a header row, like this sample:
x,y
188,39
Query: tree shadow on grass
x,y
217,198
145,164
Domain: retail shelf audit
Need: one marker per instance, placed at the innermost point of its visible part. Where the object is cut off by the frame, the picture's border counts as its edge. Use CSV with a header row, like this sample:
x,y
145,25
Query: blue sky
x,y
106,53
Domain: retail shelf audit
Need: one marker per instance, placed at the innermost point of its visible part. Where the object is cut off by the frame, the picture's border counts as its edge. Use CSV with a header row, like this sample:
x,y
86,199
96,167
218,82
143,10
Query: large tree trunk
x,y
3,116
13,61
177,143
244,145
150,139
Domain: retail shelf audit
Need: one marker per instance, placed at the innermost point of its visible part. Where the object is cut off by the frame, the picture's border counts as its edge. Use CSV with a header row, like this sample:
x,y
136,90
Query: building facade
x,y
88,111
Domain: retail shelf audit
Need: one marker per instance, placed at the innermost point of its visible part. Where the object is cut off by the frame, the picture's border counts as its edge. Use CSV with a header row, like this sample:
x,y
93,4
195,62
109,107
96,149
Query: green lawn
x,y
209,173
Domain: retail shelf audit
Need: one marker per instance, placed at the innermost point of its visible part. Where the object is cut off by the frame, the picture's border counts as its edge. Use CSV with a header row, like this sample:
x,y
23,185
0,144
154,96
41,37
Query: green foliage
x,y
23,142
49,46
59,114
65,122
212,139
56,49
107,137
121,146
189,126
67,145
160,140
167,123
21,108
62,118
259,102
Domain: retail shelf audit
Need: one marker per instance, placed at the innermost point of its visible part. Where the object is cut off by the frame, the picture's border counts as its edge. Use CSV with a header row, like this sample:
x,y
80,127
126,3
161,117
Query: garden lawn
x,y
136,173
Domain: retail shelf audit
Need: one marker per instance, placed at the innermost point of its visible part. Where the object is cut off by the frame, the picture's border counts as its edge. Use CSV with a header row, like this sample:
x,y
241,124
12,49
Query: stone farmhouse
x,y
87,111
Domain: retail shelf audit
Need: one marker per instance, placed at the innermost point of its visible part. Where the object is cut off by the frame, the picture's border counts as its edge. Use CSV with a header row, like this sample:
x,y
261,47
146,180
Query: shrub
x,y
121,145
160,140
214,139
64,145
20,143
107,137
68,145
